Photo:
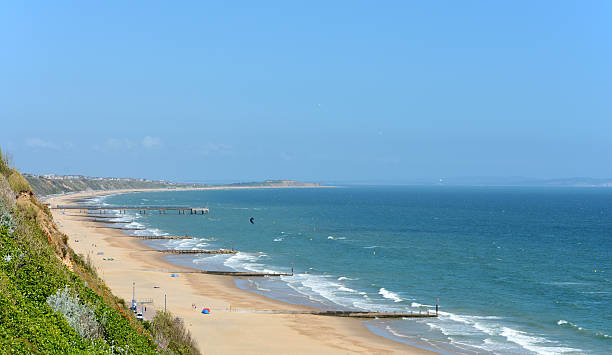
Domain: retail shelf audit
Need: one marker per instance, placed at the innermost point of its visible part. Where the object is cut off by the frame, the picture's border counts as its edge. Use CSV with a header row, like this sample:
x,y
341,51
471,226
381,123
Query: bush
x,y
6,220
80,317
28,209
18,183
171,334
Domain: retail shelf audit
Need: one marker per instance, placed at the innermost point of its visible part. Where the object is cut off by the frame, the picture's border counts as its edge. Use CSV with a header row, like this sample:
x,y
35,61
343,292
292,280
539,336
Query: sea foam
x,y
390,295
534,343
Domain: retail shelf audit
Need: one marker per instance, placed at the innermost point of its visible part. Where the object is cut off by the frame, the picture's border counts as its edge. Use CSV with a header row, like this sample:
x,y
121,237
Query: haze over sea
x,y
517,270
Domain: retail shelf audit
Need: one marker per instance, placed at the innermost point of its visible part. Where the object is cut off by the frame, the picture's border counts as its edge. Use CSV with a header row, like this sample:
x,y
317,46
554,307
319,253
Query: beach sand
x,y
239,331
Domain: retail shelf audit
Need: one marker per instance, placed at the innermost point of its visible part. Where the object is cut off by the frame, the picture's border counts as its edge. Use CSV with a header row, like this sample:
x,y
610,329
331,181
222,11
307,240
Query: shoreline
x,y
223,331
91,193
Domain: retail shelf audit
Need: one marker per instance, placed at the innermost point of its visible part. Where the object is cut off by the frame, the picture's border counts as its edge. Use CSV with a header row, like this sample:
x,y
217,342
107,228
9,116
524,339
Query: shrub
x,y
28,209
6,219
80,317
89,266
171,334
147,325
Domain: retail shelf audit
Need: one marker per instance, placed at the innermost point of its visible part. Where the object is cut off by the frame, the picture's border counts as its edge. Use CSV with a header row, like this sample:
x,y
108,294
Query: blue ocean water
x,y
516,270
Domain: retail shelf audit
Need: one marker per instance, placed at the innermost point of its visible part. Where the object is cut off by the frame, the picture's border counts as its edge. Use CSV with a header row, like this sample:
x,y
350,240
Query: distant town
x,y
83,177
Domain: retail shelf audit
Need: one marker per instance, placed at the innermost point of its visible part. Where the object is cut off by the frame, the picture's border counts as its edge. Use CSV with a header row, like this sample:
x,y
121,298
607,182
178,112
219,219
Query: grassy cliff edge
x,y
51,299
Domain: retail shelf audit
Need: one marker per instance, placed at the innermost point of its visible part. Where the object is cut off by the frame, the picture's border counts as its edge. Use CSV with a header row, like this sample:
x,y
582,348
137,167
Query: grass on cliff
x,y
4,164
51,299
31,271
18,183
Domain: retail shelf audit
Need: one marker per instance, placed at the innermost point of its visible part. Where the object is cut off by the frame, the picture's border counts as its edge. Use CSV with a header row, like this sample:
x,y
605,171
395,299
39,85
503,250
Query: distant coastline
x,y
45,185
51,184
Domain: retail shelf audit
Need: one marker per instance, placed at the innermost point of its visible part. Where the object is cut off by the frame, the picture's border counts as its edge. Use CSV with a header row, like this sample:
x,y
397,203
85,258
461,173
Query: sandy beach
x,y
232,327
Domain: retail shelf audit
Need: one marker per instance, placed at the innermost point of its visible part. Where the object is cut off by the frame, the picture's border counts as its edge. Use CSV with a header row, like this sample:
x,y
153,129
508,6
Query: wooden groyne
x,y
140,209
121,228
235,273
197,251
349,314
366,314
152,237
112,222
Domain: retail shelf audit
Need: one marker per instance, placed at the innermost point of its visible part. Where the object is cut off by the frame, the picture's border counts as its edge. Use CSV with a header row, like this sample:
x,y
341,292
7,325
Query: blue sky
x,y
319,91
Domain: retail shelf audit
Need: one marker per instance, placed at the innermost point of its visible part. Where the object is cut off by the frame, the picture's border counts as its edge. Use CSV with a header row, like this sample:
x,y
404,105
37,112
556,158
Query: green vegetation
x,y
31,272
80,317
51,300
18,183
4,165
47,186
43,186
170,334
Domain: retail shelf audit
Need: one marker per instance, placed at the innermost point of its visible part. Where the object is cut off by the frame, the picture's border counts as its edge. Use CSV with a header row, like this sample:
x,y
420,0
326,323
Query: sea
x,y
514,270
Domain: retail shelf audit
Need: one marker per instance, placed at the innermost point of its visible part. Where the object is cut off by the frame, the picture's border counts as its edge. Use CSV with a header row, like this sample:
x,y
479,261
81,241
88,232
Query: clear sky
x,y
376,91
